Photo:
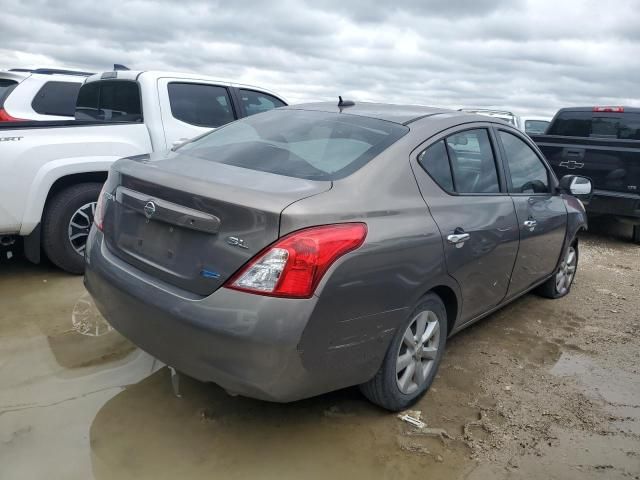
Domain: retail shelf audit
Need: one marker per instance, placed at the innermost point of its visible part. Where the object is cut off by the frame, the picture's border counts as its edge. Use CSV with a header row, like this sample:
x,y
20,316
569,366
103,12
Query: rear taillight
x,y
609,109
5,117
294,265
98,216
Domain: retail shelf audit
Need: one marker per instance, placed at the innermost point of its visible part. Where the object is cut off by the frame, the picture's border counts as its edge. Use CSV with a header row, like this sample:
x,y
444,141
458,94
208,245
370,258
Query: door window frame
x,y
457,130
551,177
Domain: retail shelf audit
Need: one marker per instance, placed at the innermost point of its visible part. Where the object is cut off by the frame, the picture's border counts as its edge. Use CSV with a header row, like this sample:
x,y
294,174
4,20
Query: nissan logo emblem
x,y
149,209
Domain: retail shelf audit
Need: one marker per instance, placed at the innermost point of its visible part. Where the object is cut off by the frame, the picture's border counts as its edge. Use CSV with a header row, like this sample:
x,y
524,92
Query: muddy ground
x,y
542,389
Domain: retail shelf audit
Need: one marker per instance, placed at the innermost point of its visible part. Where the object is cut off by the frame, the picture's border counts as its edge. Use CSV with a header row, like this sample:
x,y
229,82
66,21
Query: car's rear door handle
x,y
458,238
530,224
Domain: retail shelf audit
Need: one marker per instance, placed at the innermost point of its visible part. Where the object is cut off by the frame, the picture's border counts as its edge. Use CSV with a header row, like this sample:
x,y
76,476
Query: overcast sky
x,y
529,56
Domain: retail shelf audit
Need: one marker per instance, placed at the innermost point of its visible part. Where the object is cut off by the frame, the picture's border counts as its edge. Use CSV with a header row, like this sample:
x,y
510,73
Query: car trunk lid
x,y
191,222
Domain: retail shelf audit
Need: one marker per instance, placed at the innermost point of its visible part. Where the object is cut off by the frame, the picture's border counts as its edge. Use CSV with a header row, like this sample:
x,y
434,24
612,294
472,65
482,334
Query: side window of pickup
x,y
200,104
257,102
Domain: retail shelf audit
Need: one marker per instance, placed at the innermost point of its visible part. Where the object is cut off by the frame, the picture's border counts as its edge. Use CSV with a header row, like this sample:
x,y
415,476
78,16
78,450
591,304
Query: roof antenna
x,y
117,66
345,103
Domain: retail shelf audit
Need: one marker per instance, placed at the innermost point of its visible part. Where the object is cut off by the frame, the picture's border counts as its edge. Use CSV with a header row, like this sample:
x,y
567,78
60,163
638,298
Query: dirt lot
x,y
542,389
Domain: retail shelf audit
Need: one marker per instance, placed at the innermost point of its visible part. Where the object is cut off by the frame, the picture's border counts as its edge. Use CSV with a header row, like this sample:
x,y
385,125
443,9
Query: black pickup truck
x,y
602,143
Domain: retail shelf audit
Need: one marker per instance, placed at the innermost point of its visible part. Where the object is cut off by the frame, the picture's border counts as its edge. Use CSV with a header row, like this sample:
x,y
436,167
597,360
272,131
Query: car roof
x,y
403,114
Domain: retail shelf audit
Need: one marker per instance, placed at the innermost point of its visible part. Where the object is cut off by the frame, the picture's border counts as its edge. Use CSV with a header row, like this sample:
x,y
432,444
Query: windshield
x,y
298,143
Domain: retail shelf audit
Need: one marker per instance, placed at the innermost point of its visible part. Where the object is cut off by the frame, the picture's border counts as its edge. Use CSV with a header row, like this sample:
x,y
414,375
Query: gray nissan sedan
x,y
319,246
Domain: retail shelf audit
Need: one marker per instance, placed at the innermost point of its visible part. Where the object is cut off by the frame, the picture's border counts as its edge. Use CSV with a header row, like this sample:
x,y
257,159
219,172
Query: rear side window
x,y
258,102
472,162
56,98
528,173
5,88
201,105
586,124
436,162
110,101
298,143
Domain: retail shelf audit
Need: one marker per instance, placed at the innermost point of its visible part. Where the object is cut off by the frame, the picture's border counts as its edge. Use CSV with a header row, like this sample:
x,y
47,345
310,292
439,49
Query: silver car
x,y
319,246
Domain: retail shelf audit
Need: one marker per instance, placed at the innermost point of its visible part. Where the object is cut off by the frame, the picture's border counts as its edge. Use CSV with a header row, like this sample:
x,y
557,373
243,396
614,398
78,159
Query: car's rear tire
x,y
412,359
560,283
68,216
636,234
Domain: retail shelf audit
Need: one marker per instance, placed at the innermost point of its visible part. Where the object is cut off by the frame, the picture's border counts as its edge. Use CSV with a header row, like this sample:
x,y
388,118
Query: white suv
x,y
41,94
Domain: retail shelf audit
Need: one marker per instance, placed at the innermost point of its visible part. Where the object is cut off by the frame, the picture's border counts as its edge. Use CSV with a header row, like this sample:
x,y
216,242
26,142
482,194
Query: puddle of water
x,y
77,401
208,434
53,379
617,388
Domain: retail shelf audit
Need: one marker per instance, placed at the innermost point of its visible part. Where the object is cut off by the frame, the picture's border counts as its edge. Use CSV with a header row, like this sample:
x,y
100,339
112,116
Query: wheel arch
x,y
451,304
74,179
52,179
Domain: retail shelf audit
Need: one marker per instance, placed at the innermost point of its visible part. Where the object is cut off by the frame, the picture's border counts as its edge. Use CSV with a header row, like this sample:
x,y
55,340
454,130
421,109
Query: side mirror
x,y
576,185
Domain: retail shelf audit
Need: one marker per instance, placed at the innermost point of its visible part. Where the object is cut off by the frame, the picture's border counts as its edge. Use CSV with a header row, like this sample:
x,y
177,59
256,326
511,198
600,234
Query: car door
x,y
458,177
541,212
193,107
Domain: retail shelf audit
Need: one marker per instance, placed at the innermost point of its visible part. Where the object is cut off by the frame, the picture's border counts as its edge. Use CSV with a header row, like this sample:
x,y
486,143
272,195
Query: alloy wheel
x,y
567,271
79,226
418,351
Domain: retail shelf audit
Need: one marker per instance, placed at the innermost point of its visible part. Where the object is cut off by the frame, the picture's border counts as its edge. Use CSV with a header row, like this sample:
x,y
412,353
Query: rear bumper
x,y
624,205
245,343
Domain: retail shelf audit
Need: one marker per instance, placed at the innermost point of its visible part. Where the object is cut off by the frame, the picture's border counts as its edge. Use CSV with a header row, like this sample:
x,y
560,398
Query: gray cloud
x,y
531,56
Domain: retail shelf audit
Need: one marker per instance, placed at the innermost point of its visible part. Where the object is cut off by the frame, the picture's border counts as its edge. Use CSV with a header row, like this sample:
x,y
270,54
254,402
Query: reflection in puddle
x,y
146,432
90,341
87,320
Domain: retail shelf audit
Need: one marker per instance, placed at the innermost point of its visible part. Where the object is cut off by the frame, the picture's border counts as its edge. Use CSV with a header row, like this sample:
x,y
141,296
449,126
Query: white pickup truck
x,y
51,172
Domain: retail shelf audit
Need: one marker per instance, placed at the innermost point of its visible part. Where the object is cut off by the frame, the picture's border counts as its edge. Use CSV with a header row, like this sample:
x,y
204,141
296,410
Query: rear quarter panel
x,y
367,293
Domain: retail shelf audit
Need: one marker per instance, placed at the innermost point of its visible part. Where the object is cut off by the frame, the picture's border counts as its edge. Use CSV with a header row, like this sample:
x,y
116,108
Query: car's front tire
x,y
560,283
412,359
67,219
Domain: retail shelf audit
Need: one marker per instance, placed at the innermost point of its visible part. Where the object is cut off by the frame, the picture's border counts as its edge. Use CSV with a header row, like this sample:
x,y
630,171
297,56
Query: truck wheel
x,y
560,283
636,234
68,216
413,357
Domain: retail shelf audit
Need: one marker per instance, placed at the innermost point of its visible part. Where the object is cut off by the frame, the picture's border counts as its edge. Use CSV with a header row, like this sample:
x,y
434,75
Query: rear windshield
x,y
5,87
625,126
110,101
298,143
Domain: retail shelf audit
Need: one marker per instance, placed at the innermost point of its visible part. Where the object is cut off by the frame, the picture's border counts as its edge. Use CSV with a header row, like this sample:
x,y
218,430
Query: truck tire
x,y
636,234
68,216
395,386
560,283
